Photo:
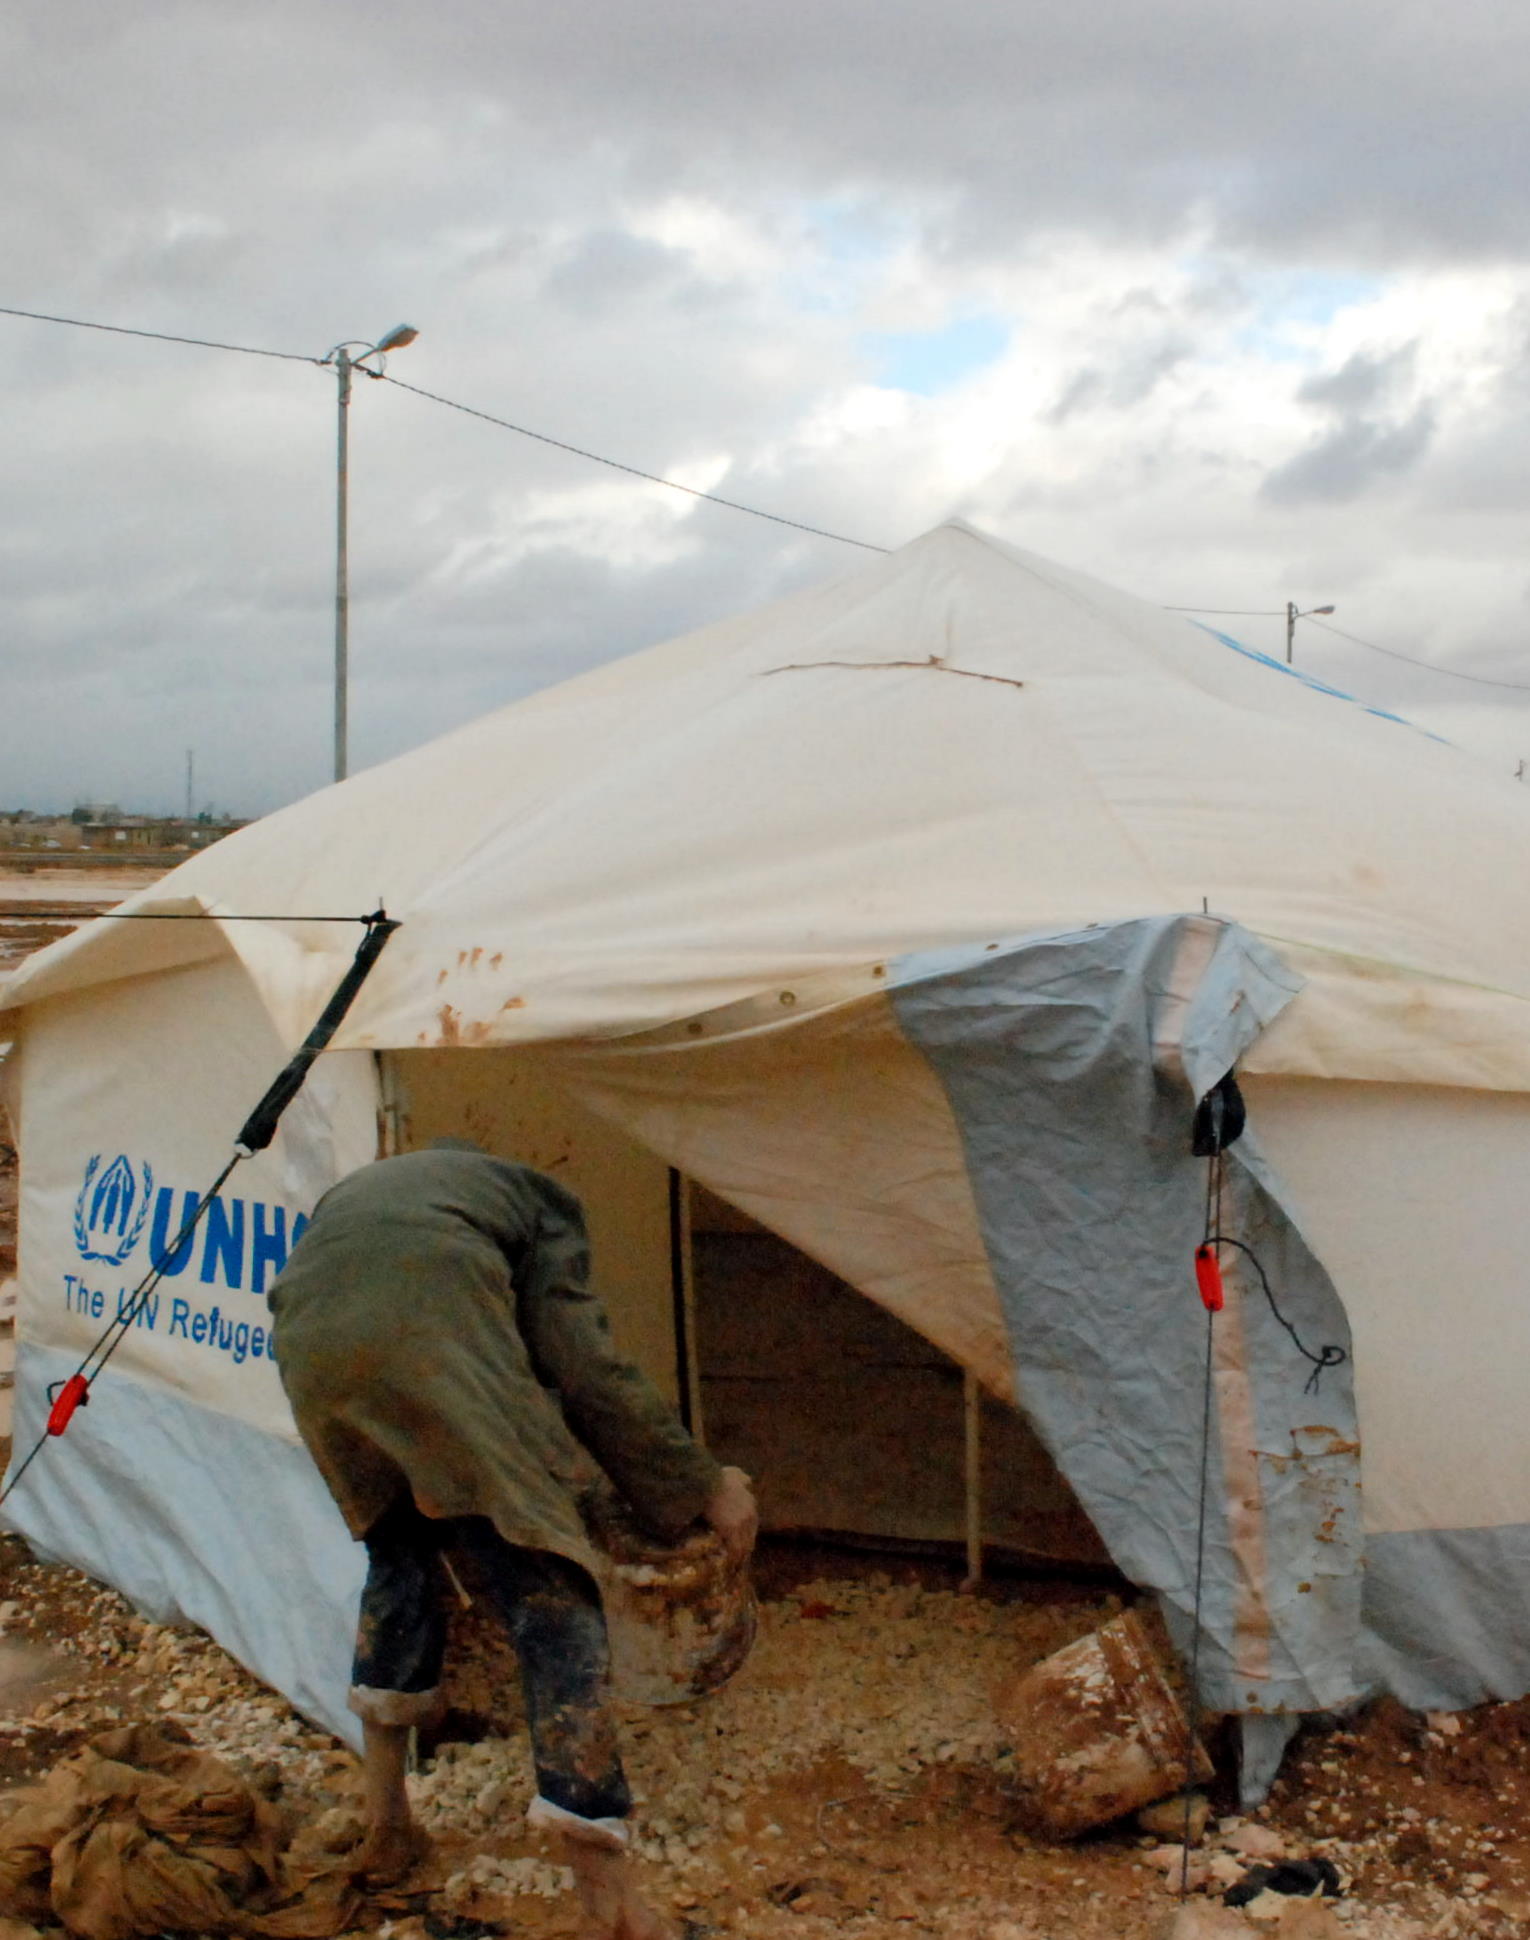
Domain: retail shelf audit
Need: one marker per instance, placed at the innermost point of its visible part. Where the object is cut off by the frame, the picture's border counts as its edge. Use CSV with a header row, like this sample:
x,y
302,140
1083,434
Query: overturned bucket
x,y
1097,1731
682,1618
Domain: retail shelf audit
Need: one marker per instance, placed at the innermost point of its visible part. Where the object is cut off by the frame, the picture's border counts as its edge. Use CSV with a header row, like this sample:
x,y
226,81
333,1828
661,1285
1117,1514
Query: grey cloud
x,y
1142,302
1480,475
610,265
1129,381
1354,455
1362,131
1374,436
1366,379
186,255
1219,293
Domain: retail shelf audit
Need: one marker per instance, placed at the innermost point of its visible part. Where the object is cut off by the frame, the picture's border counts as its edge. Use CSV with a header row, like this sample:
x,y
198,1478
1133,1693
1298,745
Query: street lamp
x,y
1292,616
344,364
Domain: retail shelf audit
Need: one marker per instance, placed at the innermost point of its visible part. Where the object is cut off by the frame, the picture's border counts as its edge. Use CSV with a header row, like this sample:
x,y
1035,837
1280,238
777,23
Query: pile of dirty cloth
x,y
140,1833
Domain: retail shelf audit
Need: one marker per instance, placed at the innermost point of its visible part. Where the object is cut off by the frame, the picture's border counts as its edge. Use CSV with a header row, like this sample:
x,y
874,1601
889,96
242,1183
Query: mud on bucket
x,y
1097,1731
682,1618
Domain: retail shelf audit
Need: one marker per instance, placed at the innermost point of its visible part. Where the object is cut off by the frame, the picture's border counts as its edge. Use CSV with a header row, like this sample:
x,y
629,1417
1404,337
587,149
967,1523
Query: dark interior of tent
x,y
857,1426
858,1431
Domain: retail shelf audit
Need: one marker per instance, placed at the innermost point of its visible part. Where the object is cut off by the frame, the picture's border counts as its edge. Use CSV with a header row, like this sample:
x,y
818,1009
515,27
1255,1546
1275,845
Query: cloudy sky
x,y
1227,305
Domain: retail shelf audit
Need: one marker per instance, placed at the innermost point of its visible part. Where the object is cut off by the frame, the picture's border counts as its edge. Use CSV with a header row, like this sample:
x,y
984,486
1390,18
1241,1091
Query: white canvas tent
x,y
911,916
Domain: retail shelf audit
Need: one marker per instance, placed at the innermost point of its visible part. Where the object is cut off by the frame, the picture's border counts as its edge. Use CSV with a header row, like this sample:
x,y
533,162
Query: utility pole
x,y
191,768
342,357
344,364
1292,616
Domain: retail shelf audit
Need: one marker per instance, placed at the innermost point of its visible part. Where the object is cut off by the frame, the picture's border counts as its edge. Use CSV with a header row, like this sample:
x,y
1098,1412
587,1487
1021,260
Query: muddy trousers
x,y
552,1611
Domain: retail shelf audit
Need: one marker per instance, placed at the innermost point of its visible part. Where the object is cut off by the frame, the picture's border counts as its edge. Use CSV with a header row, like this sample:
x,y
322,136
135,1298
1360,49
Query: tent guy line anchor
x,y
256,1133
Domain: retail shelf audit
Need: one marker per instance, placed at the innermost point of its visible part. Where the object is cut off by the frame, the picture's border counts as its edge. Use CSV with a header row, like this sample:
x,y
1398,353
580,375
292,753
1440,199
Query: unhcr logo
x,y
110,1212
241,1243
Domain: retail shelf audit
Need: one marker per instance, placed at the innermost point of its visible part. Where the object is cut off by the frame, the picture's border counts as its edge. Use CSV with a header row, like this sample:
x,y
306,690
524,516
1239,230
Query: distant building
x,y
154,832
40,832
110,833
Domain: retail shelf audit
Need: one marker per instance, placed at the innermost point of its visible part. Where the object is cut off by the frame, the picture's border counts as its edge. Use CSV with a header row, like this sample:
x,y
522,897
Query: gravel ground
x,y
851,1780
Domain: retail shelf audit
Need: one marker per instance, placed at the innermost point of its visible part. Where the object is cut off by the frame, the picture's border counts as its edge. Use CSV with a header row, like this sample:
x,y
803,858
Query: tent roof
x,y
960,742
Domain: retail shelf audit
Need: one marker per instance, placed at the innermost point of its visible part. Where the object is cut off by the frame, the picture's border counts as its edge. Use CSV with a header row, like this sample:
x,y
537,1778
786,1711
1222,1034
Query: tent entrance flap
x,y
1073,1065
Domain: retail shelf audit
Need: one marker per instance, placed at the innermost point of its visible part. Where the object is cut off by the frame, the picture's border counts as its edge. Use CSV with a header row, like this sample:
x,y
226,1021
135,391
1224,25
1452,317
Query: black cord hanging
x,y
1331,1355
1209,1283
1220,1119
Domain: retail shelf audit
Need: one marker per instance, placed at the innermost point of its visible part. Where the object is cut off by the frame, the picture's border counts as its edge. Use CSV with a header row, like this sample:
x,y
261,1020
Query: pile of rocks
x,y
893,1680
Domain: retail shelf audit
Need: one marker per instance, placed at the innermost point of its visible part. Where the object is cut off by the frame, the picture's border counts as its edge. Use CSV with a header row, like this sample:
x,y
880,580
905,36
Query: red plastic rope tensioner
x,y
73,1394
1208,1278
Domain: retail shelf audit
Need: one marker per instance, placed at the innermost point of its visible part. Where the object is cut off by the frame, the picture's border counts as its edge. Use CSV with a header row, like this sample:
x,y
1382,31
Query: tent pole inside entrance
x,y
683,1289
972,1413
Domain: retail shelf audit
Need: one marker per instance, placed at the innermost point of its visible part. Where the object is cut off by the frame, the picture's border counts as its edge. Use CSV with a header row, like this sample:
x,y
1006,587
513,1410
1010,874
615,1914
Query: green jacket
x,y
435,1330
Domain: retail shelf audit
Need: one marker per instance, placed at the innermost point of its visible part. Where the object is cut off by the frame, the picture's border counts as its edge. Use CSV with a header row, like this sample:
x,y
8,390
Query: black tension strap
x,y
255,1135
259,1128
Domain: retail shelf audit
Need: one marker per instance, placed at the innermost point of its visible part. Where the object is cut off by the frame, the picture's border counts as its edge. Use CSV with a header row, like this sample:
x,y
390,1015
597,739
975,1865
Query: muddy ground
x,y
854,1778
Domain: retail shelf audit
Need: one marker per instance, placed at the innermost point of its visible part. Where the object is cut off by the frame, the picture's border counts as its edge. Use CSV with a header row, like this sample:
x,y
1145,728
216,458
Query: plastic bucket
x,y
1097,1732
682,1619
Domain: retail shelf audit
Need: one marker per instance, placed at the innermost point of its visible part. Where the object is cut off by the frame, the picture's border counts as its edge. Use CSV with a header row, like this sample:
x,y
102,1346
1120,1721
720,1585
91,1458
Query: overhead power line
x,y
632,471
695,492
1408,659
161,336
468,410
1429,666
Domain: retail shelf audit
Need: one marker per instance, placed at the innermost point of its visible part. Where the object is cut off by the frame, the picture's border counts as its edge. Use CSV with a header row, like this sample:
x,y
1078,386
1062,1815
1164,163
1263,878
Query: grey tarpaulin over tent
x,y
1073,1065
899,965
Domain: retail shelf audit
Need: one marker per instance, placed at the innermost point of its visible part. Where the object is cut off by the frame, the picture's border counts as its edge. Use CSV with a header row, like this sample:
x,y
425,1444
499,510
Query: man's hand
x,y
733,1513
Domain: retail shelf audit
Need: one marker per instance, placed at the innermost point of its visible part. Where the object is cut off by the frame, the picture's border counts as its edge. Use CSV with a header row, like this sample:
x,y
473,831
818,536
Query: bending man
x,y
452,1374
